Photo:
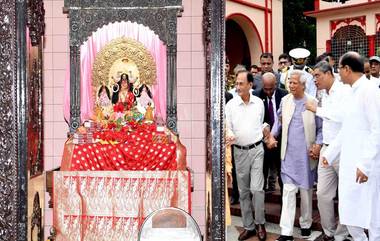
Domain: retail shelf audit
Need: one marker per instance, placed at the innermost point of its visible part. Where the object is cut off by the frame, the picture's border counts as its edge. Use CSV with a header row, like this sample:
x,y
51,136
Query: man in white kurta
x,y
330,111
358,143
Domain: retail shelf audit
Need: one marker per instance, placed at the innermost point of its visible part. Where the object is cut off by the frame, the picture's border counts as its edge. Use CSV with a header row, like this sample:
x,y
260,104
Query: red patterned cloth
x,y
109,205
135,151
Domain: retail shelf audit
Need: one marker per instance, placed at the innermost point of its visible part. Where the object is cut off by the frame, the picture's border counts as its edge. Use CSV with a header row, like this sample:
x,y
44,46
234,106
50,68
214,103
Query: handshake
x,y
314,151
270,141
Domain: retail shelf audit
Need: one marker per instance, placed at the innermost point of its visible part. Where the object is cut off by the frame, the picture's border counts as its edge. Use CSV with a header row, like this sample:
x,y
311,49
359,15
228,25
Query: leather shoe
x,y
285,238
246,234
327,238
261,232
305,232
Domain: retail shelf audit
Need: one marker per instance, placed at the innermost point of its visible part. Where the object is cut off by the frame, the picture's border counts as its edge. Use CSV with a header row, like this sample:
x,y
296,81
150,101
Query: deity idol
x,y
122,93
145,96
104,97
149,117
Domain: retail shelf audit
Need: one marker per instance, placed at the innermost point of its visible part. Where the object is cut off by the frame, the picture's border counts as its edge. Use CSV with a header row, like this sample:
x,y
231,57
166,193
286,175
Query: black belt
x,y
248,147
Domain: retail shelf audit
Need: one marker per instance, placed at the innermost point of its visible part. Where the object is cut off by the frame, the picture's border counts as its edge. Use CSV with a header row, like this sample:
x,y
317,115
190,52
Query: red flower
x,y
119,107
111,125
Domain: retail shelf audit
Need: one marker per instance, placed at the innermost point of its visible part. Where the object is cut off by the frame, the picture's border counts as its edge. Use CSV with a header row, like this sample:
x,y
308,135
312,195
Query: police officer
x,y
299,58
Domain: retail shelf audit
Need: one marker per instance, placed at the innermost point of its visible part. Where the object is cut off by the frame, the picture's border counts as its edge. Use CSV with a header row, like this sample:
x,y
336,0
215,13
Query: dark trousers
x,y
272,168
235,189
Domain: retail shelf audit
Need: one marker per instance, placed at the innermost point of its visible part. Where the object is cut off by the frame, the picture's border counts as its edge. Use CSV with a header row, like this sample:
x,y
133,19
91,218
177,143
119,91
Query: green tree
x,y
299,30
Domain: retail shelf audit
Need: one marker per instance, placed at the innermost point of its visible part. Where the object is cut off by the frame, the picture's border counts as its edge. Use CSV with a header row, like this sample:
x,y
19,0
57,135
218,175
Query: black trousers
x,y
272,161
235,189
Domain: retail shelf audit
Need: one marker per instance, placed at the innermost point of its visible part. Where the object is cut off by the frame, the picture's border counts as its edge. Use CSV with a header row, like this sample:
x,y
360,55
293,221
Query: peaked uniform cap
x,y
299,53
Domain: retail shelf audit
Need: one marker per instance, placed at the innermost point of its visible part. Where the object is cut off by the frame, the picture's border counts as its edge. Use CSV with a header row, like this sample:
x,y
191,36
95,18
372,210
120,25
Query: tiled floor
x,y
273,231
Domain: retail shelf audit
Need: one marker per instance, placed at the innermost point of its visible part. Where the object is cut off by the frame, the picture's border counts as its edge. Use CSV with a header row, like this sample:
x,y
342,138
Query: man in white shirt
x,y
358,144
331,113
238,67
244,116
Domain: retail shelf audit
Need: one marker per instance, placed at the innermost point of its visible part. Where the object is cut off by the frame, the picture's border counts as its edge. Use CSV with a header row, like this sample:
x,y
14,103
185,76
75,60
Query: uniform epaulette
x,y
285,69
309,70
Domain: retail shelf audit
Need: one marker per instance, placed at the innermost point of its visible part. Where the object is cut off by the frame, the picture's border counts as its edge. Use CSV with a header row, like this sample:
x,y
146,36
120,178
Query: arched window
x,y
349,38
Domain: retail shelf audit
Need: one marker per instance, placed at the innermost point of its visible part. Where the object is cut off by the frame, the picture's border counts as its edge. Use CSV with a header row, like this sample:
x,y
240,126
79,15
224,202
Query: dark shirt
x,y
279,93
228,96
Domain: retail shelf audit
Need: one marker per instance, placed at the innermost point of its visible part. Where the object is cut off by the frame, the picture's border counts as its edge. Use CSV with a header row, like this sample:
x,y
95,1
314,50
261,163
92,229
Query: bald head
x,y
269,83
269,77
353,54
354,61
351,67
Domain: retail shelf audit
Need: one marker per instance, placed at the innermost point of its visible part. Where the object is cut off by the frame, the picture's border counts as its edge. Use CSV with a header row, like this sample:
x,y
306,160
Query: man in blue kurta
x,y
300,145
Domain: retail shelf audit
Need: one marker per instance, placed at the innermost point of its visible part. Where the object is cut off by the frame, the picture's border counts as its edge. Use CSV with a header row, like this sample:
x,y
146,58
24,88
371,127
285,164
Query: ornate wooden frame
x,y
13,168
87,16
214,41
15,15
34,115
35,22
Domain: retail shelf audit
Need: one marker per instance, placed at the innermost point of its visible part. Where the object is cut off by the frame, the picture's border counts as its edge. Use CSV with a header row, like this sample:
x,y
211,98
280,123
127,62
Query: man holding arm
x,y
331,113
244,116
358,144
271,96
300,144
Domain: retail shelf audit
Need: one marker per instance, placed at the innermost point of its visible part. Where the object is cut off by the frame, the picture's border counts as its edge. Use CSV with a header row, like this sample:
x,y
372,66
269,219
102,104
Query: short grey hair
x,y
239,67
301,74
324,67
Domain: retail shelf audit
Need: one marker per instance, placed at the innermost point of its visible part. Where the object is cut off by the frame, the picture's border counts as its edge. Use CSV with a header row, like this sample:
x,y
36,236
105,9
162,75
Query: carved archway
x,y
237,46
252,35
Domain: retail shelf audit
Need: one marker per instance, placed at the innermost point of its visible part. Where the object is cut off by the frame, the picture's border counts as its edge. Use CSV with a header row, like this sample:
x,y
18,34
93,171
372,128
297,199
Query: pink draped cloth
x,y
95,43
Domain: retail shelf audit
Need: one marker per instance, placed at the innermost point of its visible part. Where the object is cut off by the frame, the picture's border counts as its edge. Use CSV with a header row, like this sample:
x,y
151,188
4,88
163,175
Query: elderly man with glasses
x,y
299,59
300,144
